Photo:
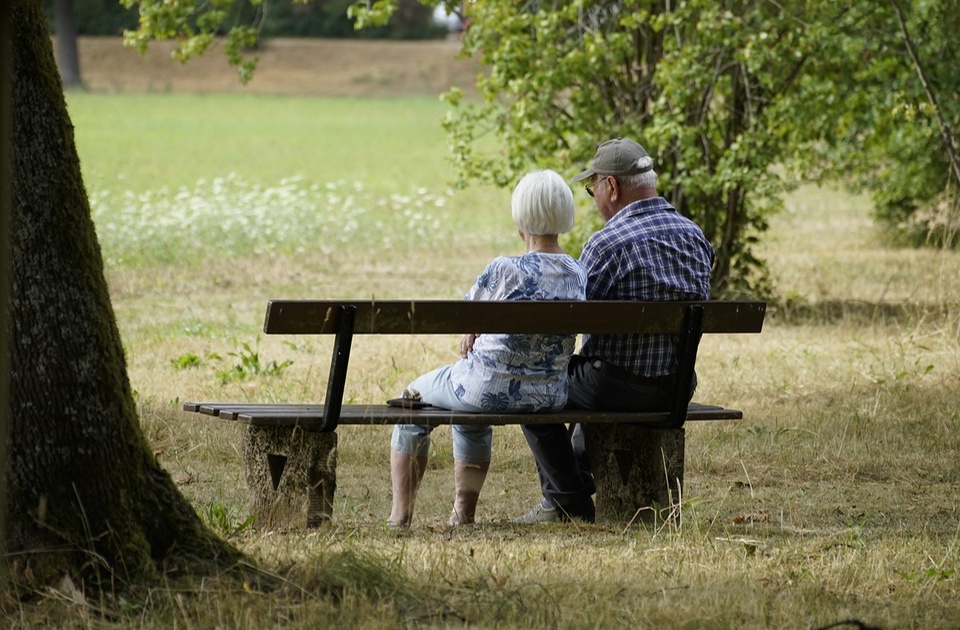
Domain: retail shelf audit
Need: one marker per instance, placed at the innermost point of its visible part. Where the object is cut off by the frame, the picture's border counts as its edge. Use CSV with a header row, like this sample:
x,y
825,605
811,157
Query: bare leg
x,y
468,478
406,471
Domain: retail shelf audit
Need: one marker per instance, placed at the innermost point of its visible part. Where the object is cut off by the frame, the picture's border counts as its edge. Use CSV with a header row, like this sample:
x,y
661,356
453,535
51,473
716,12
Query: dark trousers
x,y
562,466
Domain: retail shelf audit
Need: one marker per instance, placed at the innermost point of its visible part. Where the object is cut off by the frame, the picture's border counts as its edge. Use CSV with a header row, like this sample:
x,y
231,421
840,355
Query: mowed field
x,y
837,498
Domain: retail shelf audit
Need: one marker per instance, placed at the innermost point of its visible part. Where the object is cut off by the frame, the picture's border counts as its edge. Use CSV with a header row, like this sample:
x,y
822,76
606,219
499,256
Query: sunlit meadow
x,y
233,218
836,498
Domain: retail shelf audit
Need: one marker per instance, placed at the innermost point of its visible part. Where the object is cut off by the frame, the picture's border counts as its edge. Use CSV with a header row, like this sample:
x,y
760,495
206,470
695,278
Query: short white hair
x,y
647,179
542,203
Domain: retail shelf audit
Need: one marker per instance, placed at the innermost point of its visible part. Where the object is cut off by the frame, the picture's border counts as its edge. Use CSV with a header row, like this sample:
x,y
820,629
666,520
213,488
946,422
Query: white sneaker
x,y
540,513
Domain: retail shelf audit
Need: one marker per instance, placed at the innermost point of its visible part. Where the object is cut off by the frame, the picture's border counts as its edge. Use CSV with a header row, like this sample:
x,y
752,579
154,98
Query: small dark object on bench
x,y
637,457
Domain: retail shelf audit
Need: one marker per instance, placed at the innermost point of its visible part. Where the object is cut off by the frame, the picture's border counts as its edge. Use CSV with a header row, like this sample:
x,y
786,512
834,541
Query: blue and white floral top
x,y
521,373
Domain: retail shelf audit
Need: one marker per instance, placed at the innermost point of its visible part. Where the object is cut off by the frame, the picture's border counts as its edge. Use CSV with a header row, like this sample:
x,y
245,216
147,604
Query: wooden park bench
x,y
637,459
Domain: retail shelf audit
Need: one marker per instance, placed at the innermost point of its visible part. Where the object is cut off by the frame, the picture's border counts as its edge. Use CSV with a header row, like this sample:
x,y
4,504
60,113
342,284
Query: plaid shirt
x,y
647,251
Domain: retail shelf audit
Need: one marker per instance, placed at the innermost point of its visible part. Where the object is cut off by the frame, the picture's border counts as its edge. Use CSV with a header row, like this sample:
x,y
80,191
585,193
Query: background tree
x,y
68,58
96,17
727,94
85,495
705,86
889,113
73,18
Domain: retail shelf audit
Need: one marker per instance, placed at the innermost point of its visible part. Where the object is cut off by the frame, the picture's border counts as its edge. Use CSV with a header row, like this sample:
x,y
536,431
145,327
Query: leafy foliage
x,y
879,130
228,521
240,24
191,361
186,361
250,364
194,28
705,86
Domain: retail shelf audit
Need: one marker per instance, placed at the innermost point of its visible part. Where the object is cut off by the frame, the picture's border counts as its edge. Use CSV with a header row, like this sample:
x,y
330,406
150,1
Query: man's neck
x,y
638,194
632,196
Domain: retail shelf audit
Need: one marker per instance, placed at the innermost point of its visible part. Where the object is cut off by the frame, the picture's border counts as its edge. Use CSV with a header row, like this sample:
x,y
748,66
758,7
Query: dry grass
x,y
286,66
836,498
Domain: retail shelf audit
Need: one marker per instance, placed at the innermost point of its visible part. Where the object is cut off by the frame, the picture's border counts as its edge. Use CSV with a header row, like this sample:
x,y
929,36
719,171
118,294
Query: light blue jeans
x,y
471,443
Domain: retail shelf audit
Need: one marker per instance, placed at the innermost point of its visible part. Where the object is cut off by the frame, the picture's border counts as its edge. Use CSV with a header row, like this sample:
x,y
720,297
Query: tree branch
x,y
945,131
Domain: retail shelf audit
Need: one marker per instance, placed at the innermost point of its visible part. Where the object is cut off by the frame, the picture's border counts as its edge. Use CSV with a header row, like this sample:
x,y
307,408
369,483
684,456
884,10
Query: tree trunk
x,y
86,496
68,60
6,173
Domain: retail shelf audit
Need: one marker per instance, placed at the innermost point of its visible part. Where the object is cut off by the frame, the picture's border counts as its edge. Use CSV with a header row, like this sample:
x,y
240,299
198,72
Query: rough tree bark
x,y
6,173
86,496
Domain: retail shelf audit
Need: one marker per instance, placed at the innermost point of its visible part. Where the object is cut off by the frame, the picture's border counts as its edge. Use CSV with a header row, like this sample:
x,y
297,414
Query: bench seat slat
x,y
229,411
307,416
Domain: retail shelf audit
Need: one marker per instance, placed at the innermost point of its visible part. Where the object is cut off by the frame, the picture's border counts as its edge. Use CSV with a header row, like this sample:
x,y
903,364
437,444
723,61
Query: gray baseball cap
x,y
619,156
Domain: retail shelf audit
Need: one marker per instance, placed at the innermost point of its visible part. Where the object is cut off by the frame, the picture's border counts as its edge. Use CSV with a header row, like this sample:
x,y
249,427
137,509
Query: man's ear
x,y
614,189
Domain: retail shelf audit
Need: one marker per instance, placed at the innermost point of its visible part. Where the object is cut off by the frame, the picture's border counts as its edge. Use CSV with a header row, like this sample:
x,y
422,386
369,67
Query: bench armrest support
x,y
687,359
338,367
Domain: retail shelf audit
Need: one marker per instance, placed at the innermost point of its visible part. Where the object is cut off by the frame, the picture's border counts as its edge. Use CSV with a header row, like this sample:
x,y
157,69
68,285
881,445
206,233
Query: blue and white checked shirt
x,y
647,251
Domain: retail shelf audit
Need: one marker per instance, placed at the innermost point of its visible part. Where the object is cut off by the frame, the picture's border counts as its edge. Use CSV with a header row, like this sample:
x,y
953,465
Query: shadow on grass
x,y
797,312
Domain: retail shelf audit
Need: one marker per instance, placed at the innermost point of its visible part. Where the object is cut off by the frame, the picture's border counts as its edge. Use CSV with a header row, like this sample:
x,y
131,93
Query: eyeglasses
x,y
589,187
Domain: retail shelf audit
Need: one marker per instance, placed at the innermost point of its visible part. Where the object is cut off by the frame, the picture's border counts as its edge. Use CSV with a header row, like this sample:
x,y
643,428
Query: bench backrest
x,y
398,317
687,320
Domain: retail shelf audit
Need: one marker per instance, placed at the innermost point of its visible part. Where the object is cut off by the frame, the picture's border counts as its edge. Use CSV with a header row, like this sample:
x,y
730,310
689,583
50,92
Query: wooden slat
x,y
311,416
234,413
229,410
301,317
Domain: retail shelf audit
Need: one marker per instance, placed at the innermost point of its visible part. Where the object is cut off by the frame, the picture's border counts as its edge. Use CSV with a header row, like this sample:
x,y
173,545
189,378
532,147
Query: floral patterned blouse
x,y
521,373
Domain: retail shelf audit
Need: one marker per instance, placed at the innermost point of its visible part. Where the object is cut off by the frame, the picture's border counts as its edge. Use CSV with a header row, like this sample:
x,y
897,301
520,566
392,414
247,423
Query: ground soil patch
x,y
329,67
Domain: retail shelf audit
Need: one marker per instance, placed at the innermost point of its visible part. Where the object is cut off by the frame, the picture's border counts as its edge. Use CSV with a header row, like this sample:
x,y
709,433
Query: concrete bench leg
x,y
636,469
292,474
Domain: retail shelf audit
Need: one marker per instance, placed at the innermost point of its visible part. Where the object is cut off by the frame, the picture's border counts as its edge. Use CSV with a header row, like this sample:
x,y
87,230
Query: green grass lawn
x,y
837,497
172,140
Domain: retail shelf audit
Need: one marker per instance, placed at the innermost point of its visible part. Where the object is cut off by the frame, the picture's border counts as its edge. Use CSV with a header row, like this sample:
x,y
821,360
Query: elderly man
x,y
645,251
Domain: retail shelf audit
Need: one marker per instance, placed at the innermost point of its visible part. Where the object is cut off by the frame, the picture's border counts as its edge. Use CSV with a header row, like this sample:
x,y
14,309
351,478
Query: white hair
x,y
542,203
647,179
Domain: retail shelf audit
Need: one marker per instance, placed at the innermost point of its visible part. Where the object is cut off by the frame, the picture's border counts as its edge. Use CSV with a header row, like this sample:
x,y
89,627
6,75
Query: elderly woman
x,y
498,372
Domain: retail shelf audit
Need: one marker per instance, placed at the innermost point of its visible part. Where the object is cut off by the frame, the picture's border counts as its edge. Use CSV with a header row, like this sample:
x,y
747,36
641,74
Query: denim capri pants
x,y
471,443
